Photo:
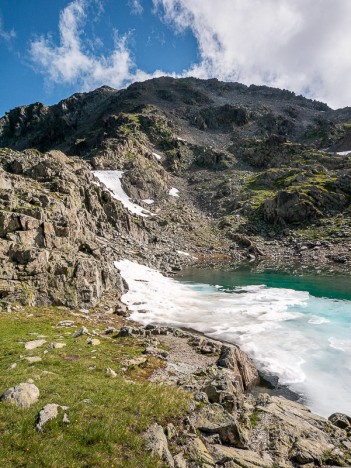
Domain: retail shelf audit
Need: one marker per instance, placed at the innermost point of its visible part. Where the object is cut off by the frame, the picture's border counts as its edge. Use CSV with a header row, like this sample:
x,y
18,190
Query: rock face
x,y
50,222
233,358
23,395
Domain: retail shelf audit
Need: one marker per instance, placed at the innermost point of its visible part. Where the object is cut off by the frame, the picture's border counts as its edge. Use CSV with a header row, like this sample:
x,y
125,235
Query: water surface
x,y
297,326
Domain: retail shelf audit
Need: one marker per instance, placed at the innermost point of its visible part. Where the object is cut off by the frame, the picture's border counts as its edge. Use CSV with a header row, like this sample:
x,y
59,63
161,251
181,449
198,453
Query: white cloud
x,y
301,45
74,61
136,7
6,36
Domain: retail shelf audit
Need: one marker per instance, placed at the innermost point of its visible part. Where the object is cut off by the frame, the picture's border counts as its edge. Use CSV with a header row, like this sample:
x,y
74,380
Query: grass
x,y
105,432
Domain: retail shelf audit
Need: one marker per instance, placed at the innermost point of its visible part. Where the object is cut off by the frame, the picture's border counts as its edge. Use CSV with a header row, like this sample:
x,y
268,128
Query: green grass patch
x,y
105,432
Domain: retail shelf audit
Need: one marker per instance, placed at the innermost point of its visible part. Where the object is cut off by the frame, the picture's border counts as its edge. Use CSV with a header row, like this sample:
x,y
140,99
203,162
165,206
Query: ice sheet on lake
x,y
284,330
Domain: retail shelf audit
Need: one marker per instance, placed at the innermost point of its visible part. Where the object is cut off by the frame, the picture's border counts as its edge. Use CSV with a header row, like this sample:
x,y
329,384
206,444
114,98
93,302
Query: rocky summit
x,y
167,173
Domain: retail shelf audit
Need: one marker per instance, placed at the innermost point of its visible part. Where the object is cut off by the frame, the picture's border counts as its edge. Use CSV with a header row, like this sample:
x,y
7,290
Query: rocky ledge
x,y
228,425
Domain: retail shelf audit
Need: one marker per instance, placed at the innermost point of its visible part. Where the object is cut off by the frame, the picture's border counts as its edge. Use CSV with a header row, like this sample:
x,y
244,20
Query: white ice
x,y
270,324
112,180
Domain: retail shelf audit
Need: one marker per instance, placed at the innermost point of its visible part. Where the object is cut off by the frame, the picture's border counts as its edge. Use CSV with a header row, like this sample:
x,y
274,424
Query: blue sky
x,y
152,43
50,49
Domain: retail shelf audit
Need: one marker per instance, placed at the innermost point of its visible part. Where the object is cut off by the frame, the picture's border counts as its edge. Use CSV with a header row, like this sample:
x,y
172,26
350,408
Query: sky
x,y
50,49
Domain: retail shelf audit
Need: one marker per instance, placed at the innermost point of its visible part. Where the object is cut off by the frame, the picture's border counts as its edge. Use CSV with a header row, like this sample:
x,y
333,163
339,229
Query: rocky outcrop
x,y
228,426
50,223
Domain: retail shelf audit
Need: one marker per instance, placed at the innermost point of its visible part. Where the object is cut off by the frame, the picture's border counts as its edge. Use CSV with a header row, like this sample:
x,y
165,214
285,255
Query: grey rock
x,y
214,419
111,373
49,412
340,420
22,395
156,443
34,344
82,331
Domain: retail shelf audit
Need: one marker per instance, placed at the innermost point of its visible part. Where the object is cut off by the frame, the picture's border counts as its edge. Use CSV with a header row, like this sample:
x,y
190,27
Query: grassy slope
x,y
105,432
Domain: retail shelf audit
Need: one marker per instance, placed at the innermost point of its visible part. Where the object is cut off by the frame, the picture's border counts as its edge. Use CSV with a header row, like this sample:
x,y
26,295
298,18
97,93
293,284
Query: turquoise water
x,y
295,326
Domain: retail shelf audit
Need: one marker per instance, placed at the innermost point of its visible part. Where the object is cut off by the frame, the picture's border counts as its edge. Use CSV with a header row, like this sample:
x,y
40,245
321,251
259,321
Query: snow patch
x,y
173,192
186,254
343,153
112,181
148,201
157,156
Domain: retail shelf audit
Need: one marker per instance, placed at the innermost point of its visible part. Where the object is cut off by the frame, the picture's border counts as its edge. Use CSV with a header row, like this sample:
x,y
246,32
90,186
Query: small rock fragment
x,y
80,332
58,345
110,372
34,344
93,341
33,359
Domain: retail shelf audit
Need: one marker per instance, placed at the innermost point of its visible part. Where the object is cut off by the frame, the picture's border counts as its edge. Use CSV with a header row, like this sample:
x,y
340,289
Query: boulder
x,y
156,443
50,411
34,344
290,208
196,451
214,419
243,367
241,458
22,395
340,420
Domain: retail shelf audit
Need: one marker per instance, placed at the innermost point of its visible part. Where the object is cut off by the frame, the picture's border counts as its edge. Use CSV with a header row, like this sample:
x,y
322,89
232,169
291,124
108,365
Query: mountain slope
x,y
255,169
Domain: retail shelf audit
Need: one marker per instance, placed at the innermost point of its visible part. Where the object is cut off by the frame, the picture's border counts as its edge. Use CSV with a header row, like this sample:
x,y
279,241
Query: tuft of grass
x,y
105,432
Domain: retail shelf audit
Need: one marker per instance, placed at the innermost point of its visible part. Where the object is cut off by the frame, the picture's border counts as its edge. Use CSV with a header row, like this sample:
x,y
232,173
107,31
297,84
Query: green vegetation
x,y
103,432
254,418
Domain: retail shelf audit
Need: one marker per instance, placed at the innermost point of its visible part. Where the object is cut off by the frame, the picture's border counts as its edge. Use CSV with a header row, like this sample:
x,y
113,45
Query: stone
x,y
214,419
111,373
110,331
93,341
49,412
340,420
243,367
196,451
156,443
12,366
170,431
66,323
33,359
241,458
179,461
138,361
58,345
80,332
22,395
34,344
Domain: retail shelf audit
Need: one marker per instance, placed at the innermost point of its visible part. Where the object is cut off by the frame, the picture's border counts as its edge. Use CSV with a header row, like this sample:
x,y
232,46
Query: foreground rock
x,y
156,443
231,427
49,412
22,395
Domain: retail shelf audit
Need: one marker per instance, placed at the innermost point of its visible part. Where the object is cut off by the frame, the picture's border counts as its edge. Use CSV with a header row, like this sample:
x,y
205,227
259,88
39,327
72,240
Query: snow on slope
x,y
112,180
